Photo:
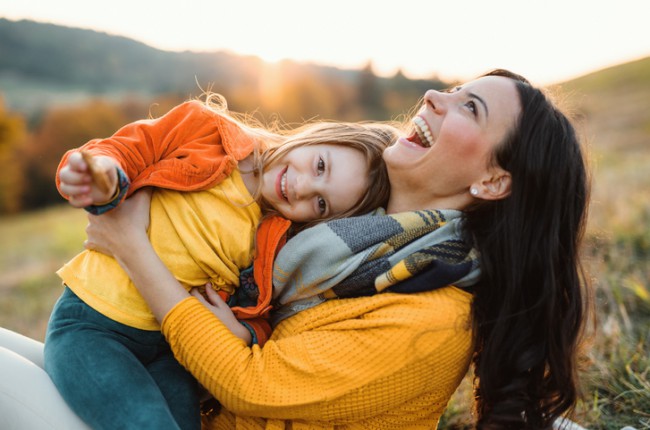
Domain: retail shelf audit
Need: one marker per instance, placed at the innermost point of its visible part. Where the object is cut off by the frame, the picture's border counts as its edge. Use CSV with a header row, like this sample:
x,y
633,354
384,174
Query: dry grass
x,y
34,246
613,112
614,117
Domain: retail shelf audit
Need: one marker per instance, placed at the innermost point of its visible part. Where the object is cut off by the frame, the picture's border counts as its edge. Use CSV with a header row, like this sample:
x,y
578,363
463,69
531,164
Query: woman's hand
x,y
122,233
113,231
222,311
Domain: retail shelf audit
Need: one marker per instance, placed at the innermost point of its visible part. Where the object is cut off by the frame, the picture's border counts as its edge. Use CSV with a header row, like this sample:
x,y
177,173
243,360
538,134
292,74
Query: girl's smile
x,y
315,182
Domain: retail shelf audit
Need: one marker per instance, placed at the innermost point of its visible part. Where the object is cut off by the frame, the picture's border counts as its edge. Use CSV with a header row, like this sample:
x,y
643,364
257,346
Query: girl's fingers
x,y
77,163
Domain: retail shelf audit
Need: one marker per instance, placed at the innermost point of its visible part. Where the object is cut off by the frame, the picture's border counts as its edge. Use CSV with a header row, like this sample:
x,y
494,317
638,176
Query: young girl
x,y
215,178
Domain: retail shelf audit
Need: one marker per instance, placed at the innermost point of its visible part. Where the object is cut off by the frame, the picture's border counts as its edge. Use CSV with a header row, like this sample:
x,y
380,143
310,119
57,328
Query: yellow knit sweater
x,y
390,361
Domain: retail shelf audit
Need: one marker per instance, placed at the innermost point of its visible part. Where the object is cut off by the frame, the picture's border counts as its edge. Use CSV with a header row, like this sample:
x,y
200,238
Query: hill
x,y
64,64
42,64
615,104
613,111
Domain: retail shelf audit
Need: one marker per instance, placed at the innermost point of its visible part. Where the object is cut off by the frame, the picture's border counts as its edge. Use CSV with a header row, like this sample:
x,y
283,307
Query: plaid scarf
x,y
370,254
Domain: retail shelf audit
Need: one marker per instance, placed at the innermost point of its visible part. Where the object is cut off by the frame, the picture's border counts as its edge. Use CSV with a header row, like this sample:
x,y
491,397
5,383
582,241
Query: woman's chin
x,y
403,154
410,145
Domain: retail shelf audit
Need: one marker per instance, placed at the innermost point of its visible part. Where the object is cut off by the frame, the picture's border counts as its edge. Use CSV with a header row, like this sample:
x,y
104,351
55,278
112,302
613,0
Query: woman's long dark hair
x,y
529,308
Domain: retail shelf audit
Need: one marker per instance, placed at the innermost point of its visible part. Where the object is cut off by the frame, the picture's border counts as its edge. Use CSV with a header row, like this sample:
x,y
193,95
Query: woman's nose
x,y
435,100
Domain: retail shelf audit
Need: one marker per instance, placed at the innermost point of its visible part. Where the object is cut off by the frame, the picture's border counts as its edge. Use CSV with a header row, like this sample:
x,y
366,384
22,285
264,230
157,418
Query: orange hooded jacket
x,y
193,148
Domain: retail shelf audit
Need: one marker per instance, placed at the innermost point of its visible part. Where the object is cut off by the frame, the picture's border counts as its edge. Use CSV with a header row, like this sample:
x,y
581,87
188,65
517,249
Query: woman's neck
x,y
404,202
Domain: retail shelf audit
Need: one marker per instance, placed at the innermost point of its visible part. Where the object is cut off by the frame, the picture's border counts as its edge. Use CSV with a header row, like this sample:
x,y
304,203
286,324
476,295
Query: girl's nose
x,y
302,188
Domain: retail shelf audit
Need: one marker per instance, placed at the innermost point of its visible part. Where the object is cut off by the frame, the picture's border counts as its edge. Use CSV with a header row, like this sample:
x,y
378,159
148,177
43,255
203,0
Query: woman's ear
x,y
495,187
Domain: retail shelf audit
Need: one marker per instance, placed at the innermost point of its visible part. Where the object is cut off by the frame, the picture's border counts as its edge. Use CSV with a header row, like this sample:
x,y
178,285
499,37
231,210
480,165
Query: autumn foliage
x,y
30,148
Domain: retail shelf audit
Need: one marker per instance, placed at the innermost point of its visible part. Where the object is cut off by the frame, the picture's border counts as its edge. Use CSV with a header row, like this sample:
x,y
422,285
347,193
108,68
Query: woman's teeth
x,y
423,131
283,185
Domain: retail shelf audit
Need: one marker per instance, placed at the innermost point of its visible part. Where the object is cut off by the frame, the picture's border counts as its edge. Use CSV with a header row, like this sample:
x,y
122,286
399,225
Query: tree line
x,y
61,86
31,146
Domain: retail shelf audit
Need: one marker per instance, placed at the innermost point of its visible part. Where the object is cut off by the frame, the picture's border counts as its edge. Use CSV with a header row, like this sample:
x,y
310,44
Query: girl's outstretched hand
x,y
88,180
113,231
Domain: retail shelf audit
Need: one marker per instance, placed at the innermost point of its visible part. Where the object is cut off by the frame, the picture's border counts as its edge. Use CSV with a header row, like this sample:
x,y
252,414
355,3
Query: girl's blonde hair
x,y
273,142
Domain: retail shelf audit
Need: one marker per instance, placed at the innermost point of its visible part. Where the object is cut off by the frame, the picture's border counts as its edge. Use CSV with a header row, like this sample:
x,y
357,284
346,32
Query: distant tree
x,y
348,107
305,98
371,93
401,94
299,95
12,138
63,129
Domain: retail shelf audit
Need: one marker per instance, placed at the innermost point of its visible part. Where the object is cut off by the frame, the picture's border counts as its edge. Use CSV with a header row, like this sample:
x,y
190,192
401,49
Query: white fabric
x,y
28,398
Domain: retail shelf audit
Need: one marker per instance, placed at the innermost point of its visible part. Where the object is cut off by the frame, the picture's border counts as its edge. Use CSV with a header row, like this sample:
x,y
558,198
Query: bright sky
x,y
545,40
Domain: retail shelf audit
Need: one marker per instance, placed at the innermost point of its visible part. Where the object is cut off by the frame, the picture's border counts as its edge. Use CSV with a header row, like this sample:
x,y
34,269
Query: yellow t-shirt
x,y
201,236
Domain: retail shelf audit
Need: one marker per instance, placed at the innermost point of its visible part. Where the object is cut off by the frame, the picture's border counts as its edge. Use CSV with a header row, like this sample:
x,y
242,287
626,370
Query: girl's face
x,y
315,182
451,148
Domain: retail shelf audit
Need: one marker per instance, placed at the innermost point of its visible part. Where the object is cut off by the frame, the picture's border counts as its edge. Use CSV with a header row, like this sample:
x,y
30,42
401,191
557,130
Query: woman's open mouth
x,y
422,135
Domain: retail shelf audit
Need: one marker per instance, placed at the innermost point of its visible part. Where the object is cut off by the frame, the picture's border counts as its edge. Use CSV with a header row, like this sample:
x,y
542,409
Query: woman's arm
x,y
345,360
122,233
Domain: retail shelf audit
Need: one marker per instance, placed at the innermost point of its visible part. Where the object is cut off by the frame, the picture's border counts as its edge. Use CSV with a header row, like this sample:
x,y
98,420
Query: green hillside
x,y
614,104
612,111
633,75
45,64
613,107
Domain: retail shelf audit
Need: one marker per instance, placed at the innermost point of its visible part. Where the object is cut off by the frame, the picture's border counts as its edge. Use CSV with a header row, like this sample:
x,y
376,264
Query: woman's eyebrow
x,y
475,96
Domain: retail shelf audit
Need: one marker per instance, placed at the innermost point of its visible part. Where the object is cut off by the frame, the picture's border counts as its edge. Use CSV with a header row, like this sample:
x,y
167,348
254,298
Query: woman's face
x,y
450,150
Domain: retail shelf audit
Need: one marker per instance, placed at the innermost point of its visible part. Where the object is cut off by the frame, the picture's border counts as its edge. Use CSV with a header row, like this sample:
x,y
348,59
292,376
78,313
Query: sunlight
x,y
422,39
271,86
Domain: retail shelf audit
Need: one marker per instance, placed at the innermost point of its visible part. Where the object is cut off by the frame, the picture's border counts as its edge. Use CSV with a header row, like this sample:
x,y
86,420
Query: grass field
x,y
34,246
614,117
617,376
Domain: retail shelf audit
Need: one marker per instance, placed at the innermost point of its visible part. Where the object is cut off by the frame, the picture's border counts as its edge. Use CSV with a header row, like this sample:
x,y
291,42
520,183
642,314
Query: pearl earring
x,y
473,191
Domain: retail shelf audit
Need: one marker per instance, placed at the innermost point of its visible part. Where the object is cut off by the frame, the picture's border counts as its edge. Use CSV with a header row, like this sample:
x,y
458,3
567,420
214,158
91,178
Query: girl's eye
x,y
471,105
321,165
322,206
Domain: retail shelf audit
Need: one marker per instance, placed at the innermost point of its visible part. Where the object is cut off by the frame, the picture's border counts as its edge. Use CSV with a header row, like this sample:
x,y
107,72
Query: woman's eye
x,y
322,206
321,165
471,105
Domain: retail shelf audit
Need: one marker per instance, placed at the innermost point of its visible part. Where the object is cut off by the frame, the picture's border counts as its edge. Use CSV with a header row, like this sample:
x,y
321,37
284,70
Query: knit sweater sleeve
x,y
342,361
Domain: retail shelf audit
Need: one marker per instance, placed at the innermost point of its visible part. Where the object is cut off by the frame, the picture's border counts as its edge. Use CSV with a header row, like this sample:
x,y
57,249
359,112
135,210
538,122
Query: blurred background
x,y
72,70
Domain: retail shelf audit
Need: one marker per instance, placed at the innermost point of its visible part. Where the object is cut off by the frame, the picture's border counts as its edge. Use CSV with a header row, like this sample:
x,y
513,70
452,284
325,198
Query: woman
x,y
495,148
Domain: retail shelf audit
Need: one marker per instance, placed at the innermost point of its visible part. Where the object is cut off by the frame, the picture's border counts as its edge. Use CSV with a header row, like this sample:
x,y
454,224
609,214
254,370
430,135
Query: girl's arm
x,y
76,181
140,144
187,133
